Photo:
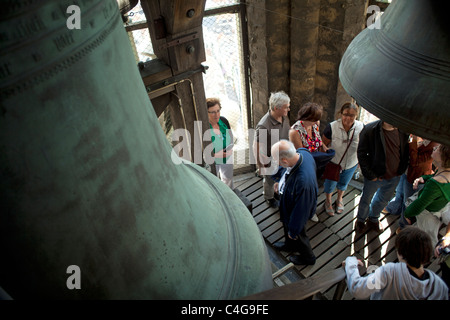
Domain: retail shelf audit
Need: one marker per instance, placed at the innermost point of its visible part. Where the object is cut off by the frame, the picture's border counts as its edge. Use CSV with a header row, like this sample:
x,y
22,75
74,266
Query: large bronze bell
x,y
92,205
401,71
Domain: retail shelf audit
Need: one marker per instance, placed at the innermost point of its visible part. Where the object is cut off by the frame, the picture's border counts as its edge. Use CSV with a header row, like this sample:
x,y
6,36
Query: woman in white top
x,y
339,135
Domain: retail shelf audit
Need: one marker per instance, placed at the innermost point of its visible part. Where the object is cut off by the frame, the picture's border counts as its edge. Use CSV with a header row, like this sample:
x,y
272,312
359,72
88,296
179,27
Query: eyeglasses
x,y
349,115
435,148
214,112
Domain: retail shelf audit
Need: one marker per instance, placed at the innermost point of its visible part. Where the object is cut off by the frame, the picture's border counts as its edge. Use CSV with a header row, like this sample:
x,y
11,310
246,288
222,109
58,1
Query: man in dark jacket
x,y
383,155
298,198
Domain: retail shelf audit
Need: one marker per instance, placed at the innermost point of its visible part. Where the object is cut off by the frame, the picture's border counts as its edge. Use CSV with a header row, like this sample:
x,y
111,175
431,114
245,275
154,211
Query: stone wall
x,y
256,19
296,46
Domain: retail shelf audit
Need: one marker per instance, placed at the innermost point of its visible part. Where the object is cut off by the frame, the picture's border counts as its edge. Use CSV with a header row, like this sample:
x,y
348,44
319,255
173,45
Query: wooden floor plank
x,y
275,237
259,200
273,228
240,179
323,235
249,183
313,229
347,217
263,212
325,252
254,188
273,219
333,238
256,195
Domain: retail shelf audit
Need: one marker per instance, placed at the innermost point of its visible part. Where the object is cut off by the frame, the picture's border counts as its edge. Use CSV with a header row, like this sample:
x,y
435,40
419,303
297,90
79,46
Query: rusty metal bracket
x,y
174,80
177,41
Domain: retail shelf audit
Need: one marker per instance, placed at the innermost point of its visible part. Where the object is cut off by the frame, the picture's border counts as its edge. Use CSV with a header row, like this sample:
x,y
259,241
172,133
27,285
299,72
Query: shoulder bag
x,y
333,170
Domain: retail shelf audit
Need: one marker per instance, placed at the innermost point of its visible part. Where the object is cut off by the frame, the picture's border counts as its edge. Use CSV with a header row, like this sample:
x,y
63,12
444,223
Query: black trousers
x,y
300,245
445,273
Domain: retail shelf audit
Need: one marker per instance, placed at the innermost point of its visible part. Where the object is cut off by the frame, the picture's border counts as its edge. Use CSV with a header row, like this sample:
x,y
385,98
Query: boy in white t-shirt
x,y
404,280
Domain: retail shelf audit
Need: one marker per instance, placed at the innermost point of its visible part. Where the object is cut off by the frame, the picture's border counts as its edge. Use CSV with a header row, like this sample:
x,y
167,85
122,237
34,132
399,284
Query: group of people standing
x,y
391,161
300,150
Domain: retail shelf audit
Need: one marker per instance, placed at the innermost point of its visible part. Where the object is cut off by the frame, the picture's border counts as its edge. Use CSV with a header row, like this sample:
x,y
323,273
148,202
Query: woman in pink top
x,y
305,132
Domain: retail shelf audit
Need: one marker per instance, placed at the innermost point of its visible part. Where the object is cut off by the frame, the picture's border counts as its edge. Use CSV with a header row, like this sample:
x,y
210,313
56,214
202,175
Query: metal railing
x,y
306,288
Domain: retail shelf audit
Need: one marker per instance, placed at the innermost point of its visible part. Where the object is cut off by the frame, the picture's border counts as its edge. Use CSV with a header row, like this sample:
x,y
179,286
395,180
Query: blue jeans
x,y
397,205
402,221
344,179
403,191
375,196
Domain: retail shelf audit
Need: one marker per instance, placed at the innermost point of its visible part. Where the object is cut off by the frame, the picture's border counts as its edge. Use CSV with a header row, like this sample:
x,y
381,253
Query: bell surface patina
x,y
87,177
400,71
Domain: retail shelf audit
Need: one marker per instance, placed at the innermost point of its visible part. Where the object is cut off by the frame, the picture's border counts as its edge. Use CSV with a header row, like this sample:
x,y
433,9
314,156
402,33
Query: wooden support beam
x,y
175,27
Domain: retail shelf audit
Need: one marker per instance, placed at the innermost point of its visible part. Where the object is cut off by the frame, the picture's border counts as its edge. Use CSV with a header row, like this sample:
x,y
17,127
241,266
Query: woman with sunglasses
x,y
222,139
342,135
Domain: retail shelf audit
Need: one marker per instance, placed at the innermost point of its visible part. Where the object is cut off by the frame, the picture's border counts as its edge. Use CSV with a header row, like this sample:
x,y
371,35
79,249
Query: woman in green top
x,y
431,206
222,139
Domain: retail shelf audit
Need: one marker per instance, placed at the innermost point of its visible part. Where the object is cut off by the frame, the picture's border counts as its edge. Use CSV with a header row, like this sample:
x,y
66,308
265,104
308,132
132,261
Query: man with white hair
x,y
272,127
298,199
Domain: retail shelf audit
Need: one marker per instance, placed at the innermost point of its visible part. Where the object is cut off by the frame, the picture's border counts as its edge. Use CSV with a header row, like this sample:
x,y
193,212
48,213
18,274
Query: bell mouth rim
x,y
357,71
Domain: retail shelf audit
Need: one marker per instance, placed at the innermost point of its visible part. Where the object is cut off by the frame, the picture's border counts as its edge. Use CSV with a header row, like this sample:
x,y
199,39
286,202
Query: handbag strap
x,y
348,145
